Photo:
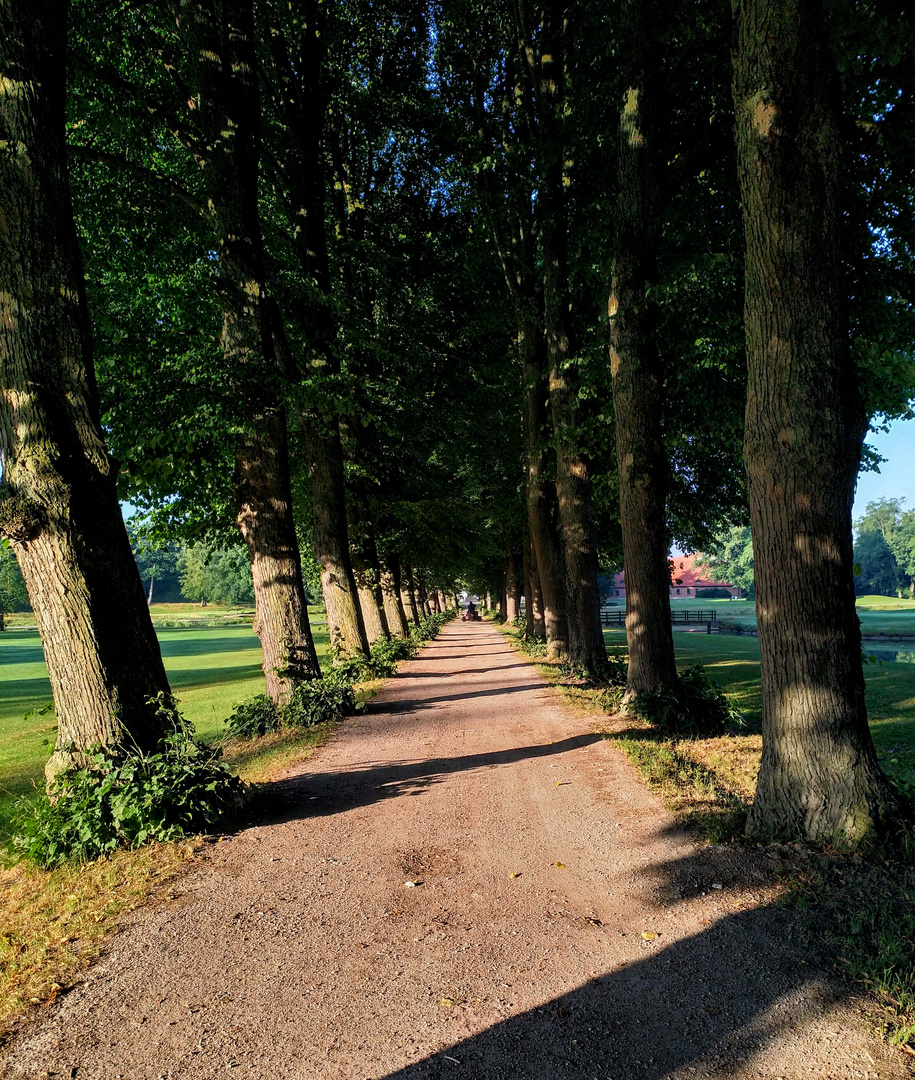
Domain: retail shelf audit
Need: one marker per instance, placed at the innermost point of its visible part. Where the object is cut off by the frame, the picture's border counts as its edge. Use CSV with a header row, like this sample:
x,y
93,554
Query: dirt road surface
x,y
465,883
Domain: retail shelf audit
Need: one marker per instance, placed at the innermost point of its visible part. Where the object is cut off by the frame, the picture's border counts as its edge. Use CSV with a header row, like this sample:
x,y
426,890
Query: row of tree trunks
x,y
391,588
637,367
331,541
805,422
221,71
512,588
58,503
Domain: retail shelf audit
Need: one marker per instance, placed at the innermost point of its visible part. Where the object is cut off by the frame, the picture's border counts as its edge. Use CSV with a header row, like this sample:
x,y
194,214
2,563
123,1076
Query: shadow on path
x,y
318,794
707,1005
402,705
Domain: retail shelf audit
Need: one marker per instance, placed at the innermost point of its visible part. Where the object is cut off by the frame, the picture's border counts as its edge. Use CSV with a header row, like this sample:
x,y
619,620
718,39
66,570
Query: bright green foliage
x,y
252,718
124,800
885,549
13,595
222,576
731,558
697,707
321,701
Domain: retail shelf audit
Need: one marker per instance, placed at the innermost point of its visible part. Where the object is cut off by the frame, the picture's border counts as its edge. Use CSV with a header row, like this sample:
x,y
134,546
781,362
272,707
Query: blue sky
x,y
896,479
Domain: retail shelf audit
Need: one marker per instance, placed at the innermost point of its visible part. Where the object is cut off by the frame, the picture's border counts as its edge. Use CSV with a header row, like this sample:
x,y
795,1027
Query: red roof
x,y
684,574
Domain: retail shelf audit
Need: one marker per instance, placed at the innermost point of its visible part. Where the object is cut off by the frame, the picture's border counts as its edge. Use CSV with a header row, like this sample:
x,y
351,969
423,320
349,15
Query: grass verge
x,y
54,921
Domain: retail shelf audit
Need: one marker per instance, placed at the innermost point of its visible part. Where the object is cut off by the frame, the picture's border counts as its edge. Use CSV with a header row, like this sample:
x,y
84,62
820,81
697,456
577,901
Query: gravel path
x,y
458,885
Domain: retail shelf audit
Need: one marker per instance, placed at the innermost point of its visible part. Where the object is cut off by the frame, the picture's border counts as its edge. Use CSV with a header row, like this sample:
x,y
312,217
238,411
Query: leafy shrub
x,y
255,717
320,701
385,654
697,706
123,800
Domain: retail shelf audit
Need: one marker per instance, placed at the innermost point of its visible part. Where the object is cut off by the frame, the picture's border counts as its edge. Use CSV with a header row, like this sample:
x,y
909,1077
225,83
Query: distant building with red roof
x,y
686,580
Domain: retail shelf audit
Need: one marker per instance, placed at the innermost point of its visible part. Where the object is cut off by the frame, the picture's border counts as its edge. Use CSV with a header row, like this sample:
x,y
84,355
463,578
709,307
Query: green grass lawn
x,y
878,614
211,669
734,663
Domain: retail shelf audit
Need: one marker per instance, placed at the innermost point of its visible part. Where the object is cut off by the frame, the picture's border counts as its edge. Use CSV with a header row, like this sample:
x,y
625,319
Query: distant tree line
x,y
885,550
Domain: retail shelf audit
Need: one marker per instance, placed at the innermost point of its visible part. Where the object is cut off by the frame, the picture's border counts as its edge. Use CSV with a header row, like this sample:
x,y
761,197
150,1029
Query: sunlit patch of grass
x,y
694,793
51,922
257,760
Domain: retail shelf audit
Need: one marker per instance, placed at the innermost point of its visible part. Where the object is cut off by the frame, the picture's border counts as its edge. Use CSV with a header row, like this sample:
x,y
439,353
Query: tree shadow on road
x,y
710,1005
319,794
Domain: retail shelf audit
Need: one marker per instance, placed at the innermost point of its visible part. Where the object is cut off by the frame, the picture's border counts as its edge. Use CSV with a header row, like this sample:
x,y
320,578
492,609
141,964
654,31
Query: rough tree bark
x,y
298,66
222,73
58,503
540,493
637,367
411,594
389,565
512,598
573,482
819,777
338,586
535,627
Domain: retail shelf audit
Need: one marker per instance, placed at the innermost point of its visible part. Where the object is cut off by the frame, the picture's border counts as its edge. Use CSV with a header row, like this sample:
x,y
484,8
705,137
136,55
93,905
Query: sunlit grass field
x,y
733,662
879,615
213,662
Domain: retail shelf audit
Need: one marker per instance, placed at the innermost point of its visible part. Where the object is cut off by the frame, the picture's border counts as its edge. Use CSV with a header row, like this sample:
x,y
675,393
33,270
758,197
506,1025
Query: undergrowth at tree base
x,y
125,798
332,697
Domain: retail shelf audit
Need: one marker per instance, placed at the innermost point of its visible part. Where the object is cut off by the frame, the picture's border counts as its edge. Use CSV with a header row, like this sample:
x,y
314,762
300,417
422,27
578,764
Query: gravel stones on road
x,y
465,882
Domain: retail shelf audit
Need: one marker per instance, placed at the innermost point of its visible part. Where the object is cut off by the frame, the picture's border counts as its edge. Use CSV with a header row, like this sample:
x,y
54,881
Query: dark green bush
x,y
385,654
126,799
321,701
697,706
255,717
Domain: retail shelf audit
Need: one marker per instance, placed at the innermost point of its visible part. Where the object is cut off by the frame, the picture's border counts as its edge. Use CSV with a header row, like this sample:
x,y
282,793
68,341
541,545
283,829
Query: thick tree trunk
x,y
366,574
264,500
222,72
540,493
58,503
573,482
819,777
637,370
535,626
411,594
389,566
512,592
331,542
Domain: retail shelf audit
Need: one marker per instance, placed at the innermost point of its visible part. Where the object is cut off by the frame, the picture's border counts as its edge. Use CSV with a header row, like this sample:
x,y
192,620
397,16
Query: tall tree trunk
x,y
819,777
222,72
540,493
302,95
366,575
58,503
389,566
534,615
411,594
512,597
637,367
264,498
573,481
331,541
